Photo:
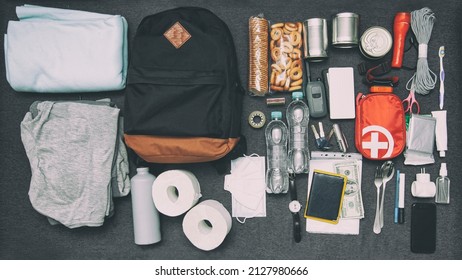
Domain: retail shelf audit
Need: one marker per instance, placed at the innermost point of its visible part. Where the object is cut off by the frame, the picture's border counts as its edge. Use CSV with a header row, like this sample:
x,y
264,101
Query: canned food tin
x,y
376,42
315,39
345,30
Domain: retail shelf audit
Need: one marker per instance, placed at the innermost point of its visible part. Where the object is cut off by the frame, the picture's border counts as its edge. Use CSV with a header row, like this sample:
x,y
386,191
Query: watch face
x,y
294,206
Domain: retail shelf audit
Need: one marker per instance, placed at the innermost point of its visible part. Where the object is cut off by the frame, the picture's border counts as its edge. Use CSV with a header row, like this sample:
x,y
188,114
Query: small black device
x,y
423,228
315,95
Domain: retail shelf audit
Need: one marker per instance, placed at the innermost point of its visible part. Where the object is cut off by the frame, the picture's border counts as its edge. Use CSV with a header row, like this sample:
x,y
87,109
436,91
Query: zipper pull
x,y
359,97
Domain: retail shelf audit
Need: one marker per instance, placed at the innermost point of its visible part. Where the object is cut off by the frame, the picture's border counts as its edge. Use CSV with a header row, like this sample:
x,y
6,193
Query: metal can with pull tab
x,y
375,42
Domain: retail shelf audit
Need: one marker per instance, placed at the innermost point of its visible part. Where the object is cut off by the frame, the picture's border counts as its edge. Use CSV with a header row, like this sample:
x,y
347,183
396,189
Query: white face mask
x,y
247,186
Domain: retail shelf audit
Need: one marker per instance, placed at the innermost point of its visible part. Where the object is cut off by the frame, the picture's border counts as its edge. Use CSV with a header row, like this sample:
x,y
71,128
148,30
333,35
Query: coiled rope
x,y
424,79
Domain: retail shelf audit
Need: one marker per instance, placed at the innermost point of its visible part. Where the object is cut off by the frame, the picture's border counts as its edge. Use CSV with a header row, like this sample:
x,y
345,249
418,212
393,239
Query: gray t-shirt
x,y
72,148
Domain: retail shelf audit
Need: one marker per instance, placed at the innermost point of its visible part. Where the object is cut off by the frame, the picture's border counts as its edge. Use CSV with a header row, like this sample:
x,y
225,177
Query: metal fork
x,y
378,180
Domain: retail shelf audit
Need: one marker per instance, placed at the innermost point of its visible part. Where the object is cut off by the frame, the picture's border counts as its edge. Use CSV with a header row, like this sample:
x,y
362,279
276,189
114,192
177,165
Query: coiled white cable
x,y
424,79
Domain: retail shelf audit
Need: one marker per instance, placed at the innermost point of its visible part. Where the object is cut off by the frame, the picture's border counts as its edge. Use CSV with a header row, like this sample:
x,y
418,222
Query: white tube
x,y
441,132
402,178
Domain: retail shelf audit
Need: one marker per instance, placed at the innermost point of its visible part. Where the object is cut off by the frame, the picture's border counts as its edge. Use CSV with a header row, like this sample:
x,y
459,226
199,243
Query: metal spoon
x,y
388,170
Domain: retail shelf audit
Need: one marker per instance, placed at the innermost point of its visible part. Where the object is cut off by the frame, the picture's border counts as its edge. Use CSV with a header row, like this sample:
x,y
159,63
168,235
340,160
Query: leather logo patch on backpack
x,y
177,35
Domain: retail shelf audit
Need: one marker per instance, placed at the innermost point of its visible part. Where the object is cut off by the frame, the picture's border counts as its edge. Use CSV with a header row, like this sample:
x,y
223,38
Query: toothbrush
x,y
441,55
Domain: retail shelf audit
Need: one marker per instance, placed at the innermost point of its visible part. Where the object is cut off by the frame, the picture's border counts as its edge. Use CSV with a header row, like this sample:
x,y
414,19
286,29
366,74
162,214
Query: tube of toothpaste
x,y
441,132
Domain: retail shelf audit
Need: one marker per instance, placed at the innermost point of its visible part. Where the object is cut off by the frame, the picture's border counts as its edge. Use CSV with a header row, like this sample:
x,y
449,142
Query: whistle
x,y
401,25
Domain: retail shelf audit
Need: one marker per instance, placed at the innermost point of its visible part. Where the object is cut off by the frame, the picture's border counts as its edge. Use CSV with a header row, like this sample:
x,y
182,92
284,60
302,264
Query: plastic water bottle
x,y
146,222
297,120
277,176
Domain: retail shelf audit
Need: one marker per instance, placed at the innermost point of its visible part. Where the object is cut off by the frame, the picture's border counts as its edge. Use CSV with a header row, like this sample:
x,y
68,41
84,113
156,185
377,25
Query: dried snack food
x,y
286,57
258,56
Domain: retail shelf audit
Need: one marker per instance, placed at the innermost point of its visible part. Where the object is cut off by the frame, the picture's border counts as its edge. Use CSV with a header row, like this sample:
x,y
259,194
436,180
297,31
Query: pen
x,y
402,179
397,197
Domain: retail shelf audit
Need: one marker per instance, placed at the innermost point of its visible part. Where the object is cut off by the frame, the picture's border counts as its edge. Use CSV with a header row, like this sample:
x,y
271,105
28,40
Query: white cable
x,y
423,79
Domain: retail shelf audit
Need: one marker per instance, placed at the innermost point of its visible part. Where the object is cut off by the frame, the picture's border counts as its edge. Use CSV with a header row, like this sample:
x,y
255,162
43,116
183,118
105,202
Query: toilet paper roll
x,y
175,191
207,224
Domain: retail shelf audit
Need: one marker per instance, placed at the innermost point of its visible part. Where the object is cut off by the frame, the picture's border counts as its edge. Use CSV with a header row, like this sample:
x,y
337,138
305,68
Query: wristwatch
x,y
294,207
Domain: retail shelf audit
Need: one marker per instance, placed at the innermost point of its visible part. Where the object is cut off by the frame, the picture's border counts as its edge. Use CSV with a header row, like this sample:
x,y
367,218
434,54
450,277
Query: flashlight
x,y
400,27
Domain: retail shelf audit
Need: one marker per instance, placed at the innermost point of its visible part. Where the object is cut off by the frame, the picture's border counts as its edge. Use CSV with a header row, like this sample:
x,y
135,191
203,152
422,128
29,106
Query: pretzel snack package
x,y
380,128
286,57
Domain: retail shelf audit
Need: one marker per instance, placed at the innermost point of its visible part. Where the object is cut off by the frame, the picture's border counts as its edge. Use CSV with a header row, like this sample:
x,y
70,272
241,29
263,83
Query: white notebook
x,y
341,93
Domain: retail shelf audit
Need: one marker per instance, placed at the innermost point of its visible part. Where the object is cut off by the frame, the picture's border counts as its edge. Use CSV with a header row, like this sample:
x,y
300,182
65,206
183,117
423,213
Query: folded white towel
x,y
58,50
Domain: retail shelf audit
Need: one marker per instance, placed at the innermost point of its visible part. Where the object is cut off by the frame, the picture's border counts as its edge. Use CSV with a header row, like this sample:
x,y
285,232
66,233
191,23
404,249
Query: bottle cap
x,y
276,115
443,170
401,216
142,169
297,94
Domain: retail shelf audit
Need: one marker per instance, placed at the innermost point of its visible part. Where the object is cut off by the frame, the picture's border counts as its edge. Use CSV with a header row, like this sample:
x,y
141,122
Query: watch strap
x,y
292,188
297,227
296,216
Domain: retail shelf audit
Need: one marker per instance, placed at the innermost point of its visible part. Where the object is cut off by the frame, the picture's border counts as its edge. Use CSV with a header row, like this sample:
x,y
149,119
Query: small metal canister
x,y
376,42
345,30
315,39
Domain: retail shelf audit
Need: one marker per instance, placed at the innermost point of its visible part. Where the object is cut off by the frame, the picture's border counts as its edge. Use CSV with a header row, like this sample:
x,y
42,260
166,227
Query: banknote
x,y
352,206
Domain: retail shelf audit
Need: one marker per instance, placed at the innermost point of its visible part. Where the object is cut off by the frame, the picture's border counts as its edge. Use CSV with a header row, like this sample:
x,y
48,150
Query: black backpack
x,y
184,99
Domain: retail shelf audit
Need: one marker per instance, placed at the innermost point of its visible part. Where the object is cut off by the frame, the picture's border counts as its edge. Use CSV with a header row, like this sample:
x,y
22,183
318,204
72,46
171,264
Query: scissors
x,y
410,101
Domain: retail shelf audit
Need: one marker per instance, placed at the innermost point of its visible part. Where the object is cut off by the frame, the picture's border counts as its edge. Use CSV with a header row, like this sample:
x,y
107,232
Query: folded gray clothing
x,y
120,171
120,180
73,149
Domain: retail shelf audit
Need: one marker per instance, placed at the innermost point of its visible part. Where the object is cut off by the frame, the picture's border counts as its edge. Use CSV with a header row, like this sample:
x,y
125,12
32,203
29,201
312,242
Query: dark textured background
x,y
25,234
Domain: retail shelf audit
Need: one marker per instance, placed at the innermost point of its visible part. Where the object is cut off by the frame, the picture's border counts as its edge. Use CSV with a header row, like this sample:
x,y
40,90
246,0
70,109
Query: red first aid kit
x,y
380,129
